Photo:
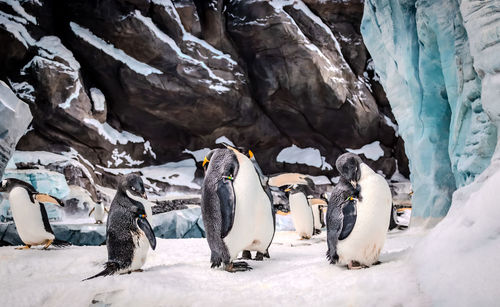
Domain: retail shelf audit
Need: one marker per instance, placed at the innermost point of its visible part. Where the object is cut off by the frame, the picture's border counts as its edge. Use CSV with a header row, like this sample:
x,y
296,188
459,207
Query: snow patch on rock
x,y
372,151
113,135
98,99
309,156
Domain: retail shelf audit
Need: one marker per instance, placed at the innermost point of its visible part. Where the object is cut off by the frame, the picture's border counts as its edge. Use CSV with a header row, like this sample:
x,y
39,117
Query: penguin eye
x,y
133,188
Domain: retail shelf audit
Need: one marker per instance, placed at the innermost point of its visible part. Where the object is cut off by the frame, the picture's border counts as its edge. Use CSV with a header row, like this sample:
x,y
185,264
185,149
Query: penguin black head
x,y
6,185
348,166
133,185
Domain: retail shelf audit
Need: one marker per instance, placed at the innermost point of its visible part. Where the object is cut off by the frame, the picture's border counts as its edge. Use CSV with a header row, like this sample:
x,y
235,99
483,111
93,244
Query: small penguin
x,y
358,214
128,233
99,211
301,211
29,213
236,210
317,206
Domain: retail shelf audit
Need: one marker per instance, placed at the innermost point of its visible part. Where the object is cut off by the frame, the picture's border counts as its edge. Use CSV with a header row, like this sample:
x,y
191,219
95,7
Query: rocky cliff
x,y
150,86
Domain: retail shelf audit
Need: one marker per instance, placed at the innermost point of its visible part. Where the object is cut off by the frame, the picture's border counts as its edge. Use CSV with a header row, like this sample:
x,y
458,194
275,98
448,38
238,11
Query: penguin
x,y
358,214
317,206
236,210
301,211
128,232
29,213
99,211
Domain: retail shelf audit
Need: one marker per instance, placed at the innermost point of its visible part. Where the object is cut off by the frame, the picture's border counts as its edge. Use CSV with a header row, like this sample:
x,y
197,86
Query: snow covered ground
x,y
178,274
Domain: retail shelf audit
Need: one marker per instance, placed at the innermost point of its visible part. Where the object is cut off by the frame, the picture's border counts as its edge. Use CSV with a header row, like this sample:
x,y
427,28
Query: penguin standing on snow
x,y
128,233
236,210
301,211
98,211
29,213
358,214
317,206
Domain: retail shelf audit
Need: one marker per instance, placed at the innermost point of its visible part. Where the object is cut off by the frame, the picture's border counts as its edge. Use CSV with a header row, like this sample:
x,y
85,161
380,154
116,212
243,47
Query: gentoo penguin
x,y
29,213
128,233
236,210
317,206
301,211
358,214
99,211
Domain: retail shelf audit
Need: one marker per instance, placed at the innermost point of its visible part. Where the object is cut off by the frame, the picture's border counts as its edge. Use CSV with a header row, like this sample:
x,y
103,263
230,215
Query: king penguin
x,y
29,213
358,214
301,211
98,211
236,210
128,232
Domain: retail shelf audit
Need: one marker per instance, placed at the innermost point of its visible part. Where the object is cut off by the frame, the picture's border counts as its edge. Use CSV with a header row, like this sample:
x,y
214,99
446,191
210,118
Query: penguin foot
x,y
246,255
239,266
259,257
49,242
267,254
23,247
305,238
317,231
354,265
377,263
139,270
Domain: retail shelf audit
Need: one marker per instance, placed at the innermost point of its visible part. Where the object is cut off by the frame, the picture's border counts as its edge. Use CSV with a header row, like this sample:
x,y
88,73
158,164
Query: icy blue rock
x,y
179,224
422,55
15,116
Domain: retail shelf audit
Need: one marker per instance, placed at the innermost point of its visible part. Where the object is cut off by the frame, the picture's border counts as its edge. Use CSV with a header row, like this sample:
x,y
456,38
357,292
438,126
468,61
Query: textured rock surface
x,y
129,84
435,78
15,117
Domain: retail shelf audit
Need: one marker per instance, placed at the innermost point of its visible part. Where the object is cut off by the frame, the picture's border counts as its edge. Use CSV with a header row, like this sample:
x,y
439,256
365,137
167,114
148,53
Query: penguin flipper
x,y
91,211
148,230
110,269
349,212
227,199
45,219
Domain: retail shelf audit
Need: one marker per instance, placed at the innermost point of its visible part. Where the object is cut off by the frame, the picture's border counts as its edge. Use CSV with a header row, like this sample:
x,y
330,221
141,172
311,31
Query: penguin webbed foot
x,y
247,255
23,247
259,256
333,259
317,231
240,266
354,265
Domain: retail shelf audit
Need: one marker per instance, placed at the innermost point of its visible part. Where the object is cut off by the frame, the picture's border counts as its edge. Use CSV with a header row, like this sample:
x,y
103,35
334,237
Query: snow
x,y
309,156
389,122
224,139
111,134
98,99
372,151
174,173
465,247
178,274
319,180
24,90
16,6
199,154
119,158
118,54
149,149
15,26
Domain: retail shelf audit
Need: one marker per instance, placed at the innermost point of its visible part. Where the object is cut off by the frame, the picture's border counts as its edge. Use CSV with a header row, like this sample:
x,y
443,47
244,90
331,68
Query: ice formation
x,y
437,65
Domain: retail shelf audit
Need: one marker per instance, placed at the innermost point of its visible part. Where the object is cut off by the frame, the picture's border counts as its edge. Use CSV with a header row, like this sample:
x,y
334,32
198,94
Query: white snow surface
x,y
199,154
113,135
309,156
178,274
372,151
118,54
98,99
16,6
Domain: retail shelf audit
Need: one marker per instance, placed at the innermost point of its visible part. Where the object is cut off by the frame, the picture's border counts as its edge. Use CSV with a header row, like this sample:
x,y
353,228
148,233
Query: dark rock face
x,y
177,75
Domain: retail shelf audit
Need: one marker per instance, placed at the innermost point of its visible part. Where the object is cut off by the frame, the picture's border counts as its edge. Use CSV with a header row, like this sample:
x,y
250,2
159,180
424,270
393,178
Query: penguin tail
x,y
110,269
60,243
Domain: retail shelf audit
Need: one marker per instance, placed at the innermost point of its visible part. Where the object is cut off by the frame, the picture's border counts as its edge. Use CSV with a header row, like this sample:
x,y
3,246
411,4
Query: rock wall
x,y
435,61
15,117
121,86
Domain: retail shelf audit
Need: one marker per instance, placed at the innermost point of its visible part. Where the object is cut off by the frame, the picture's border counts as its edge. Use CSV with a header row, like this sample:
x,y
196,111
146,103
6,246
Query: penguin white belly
x,y
253,222
99,213
367,238
317,219
302,215
28,218
141,248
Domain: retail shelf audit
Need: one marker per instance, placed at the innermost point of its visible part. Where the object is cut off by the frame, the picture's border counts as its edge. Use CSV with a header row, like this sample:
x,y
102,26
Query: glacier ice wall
x,y
425,61
15,116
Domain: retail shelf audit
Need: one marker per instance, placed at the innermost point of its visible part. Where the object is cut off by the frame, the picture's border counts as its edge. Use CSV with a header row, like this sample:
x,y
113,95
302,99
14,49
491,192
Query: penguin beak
x,y
250,154
205,161
288,189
